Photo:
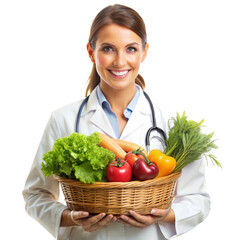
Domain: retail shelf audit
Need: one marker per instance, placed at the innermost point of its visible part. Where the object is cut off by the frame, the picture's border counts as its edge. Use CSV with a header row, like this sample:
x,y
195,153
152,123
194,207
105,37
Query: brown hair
x,y
120,15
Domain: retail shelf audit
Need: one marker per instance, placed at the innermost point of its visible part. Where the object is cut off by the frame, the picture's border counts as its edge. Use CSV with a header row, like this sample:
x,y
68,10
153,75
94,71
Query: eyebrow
x,y
109,44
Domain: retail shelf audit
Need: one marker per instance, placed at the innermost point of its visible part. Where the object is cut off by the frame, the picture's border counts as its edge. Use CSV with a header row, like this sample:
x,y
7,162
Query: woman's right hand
x,y
88,222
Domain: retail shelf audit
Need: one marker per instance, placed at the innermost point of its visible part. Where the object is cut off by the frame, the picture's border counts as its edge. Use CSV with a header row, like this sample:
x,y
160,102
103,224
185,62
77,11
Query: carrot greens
x,y
186,142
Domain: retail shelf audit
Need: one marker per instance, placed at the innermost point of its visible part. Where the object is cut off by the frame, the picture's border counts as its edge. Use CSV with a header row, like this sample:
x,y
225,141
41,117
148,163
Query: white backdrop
x,y
193,64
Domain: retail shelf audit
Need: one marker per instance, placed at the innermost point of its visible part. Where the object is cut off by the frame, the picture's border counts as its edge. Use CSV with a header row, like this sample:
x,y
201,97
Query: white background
x,y
193,64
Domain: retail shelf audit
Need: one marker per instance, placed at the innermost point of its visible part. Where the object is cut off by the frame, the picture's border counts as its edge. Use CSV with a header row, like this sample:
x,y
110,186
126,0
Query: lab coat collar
x,y
137,118
92,104
100,119
143,104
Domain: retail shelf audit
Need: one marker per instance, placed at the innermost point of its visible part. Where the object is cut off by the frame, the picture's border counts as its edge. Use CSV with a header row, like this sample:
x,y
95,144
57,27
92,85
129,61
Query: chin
x,y
121,85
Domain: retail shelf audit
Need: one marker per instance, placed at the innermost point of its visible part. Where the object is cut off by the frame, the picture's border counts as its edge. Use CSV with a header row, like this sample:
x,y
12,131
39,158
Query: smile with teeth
x,y
119,73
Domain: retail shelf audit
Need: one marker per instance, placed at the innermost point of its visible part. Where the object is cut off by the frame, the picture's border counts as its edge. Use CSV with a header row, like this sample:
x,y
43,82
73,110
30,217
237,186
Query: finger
x,y
114,219
107,220
132,221
77,215
102,223
119,220
95,219
145,219
160,212
83,219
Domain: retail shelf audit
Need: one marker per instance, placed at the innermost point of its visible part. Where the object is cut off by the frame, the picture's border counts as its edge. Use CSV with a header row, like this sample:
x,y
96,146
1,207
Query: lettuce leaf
x,y
85,173
78,157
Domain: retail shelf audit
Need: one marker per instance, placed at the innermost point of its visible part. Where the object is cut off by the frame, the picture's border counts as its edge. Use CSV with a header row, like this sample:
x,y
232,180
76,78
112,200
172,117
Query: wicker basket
x,y
120,197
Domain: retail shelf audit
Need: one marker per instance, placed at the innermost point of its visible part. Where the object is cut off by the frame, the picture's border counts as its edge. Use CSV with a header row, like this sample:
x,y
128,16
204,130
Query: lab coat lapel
x,y
137,118
98,118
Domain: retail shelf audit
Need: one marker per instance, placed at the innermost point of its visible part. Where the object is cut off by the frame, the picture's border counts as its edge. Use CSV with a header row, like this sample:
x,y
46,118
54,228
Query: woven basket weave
x,y
120,197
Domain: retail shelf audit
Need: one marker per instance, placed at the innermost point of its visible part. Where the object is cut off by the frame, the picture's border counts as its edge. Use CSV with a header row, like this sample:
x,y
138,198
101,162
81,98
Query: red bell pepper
x,y
143,169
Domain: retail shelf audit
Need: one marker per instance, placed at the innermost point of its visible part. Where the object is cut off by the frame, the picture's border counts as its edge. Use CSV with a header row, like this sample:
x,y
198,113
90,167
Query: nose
x,y
119,59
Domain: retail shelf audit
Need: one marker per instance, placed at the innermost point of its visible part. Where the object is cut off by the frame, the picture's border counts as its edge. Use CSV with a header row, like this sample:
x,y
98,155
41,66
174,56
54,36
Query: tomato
x,y
131,158
166,164
119,171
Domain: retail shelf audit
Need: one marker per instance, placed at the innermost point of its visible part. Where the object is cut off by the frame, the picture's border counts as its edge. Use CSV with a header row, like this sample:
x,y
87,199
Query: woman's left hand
x,y
143,221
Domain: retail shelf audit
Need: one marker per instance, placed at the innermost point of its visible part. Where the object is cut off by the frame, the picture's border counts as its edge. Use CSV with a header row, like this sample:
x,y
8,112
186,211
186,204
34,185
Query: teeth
x,y
119,73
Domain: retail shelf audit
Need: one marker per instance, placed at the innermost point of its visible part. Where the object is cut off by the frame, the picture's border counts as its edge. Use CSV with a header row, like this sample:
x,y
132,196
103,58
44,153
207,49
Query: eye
x,y
107,49
131,49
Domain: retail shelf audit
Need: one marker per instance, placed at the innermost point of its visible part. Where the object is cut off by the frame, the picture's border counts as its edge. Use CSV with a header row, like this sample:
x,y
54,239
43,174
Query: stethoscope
x,y
162,139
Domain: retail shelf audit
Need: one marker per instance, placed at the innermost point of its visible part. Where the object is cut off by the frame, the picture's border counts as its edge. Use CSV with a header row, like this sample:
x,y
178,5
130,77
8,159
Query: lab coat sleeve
x,y
192,202
41,193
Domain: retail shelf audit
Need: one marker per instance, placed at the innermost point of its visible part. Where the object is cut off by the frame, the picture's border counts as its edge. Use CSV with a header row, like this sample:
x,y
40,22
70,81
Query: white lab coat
x,y
191,204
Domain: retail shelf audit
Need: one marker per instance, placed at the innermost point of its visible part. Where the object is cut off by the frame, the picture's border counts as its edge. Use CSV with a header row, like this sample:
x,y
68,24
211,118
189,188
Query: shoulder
x,y
64,118
72,109
69,108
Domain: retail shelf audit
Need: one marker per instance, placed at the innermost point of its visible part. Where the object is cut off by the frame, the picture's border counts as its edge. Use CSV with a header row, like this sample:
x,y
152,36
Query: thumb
x,y
75,215
160,212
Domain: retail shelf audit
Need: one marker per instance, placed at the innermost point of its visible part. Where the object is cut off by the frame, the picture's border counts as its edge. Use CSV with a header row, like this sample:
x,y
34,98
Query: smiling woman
x,y
117,56
117,107
131,24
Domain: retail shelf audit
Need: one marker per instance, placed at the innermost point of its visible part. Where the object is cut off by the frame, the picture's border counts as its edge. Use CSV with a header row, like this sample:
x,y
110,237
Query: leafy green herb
x,y
186,142
78,157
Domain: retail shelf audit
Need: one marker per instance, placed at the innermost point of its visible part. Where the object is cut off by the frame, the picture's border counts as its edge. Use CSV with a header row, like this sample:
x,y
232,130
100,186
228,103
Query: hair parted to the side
x,y
120,15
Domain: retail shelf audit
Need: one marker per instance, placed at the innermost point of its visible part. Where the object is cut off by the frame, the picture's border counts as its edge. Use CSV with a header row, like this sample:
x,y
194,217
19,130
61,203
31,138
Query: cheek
x,y
135,61
102,60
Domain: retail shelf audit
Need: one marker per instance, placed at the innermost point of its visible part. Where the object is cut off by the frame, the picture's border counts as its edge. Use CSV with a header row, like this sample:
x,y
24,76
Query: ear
x,y
145,52
90,52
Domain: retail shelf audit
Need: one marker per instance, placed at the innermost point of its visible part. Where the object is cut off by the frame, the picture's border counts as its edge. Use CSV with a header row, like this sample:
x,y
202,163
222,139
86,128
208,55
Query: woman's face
x,y
118,54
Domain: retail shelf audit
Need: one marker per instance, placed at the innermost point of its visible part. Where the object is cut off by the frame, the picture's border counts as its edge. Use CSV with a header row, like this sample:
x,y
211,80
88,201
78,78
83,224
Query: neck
x,y
118,99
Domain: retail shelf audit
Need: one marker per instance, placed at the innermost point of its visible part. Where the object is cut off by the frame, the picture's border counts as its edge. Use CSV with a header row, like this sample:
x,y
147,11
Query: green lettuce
x,y
78,157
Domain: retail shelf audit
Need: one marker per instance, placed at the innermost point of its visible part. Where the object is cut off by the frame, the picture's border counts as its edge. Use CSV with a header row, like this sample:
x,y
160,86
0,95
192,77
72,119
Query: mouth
x,y
119,73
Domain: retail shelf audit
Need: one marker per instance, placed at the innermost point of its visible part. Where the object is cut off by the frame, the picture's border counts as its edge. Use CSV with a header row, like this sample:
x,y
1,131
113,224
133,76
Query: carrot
x,y
129,146
111,145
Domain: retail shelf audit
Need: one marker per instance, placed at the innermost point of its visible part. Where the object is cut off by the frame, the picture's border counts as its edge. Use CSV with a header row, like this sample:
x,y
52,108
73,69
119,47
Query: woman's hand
x,y
85,220
143,221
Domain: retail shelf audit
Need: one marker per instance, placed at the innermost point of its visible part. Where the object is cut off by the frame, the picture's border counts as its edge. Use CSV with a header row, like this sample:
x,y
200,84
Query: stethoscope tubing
x,y
154,127
80,112
150,130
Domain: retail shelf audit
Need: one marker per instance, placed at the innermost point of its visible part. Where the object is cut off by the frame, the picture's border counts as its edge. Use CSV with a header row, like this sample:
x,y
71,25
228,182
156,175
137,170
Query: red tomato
x,y
131,158
119,171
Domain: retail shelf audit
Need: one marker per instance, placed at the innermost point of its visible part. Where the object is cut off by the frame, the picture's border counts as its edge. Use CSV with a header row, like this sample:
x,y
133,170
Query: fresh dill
x,y
186,142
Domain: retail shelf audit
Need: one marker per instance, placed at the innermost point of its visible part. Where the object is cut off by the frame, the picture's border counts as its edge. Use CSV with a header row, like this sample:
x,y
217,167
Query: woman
x,y
117,107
